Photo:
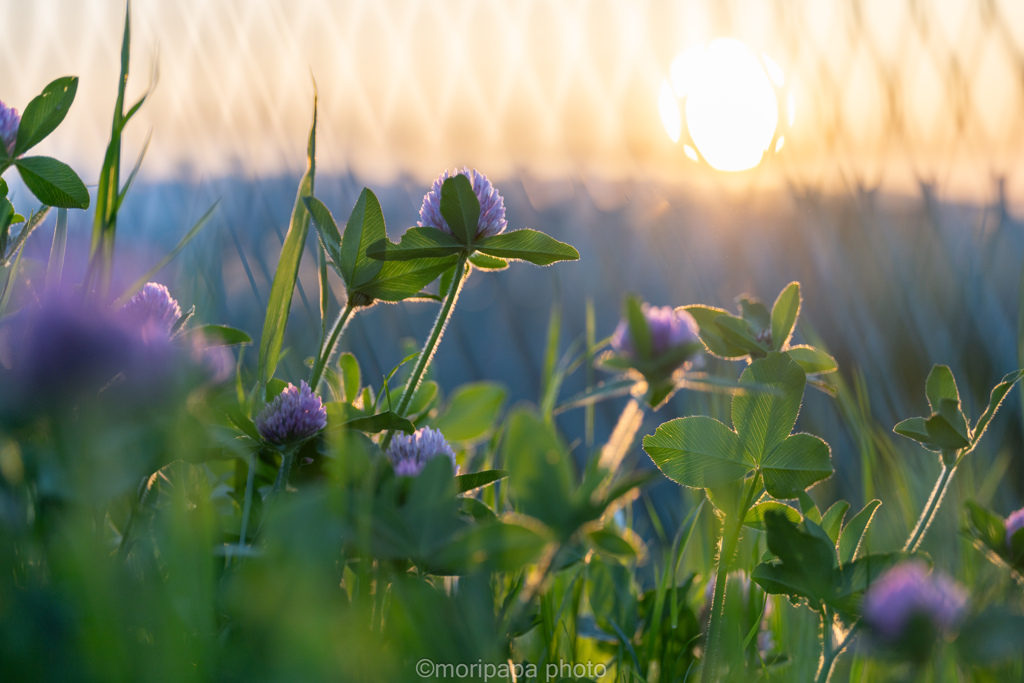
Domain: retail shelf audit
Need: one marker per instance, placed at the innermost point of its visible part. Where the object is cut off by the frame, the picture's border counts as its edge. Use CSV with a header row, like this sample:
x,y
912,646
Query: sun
x,y
729,102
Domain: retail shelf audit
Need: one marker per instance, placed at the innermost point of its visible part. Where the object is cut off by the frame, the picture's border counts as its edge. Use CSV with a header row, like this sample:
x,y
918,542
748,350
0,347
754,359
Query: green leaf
x,y
471,412
349,367
795,464
416,243
832,520
400,280
806,560
639,329
698,452
528,245
281,291
539,468
943,434
219,335
812,360
739,332
460,208
755,313
381,422
476,480
853,533
53,182
988,527
611,543
941,385
995,399
485,262
330,238
763,420
44,113
913,428
950,410
423,398
755,516
785,311
710,334
808,508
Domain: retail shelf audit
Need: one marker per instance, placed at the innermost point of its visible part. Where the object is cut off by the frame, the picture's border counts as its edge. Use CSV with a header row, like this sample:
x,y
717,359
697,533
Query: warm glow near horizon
x,y
887,95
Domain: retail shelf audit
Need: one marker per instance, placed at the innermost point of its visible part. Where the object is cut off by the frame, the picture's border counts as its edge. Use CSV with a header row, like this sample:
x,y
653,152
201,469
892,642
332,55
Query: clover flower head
x,y
1014,523
152,310
295,414
669,329
409,453
492,206
908,592
9,122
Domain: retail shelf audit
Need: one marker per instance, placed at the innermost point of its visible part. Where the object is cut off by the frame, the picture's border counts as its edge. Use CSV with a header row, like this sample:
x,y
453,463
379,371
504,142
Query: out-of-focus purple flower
x,y
492,206
908,592
409,453
153,311
66,349
9,122
294,414
1014,523
669,329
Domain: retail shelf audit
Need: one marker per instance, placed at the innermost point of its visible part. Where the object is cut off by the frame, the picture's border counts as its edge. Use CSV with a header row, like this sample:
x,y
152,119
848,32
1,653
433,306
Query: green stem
x,y
324,356
287,459
727,549
828,653
930,509
250,485
427,354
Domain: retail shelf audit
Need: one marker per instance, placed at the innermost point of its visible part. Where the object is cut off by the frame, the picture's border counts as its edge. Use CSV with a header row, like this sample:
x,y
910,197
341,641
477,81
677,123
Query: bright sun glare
x,y
731,111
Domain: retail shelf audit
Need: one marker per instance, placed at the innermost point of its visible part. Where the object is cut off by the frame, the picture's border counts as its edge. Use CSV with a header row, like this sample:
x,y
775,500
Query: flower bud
x,y
670,329
492,206
295,414
409,453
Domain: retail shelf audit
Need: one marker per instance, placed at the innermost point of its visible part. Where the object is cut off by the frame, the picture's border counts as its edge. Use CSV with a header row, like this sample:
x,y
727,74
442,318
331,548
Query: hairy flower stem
x,y
327,349
930,508
250,485
731,528
427,353
287,460
828,653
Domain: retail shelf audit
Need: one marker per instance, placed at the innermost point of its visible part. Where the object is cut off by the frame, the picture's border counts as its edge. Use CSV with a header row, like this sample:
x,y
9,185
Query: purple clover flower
x,y
65,349
409,453
492,206
907,592
153,311
669,329
294,414
1014,523
9,122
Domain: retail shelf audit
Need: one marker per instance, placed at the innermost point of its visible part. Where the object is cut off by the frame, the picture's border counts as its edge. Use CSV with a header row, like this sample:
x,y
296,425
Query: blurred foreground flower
x,y
9,122
1014,523
152,310
907,608
295,414
66,349
492,206
409,453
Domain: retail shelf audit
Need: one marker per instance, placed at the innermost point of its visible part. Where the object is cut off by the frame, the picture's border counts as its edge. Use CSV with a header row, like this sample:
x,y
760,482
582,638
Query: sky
x,y
887,93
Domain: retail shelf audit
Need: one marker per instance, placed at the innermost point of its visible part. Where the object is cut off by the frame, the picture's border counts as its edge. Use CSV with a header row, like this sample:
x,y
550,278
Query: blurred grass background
x,y
894,202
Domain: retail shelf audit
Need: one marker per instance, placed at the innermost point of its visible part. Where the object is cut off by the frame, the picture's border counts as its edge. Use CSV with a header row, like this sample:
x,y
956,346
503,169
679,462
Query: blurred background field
x,y
894,200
